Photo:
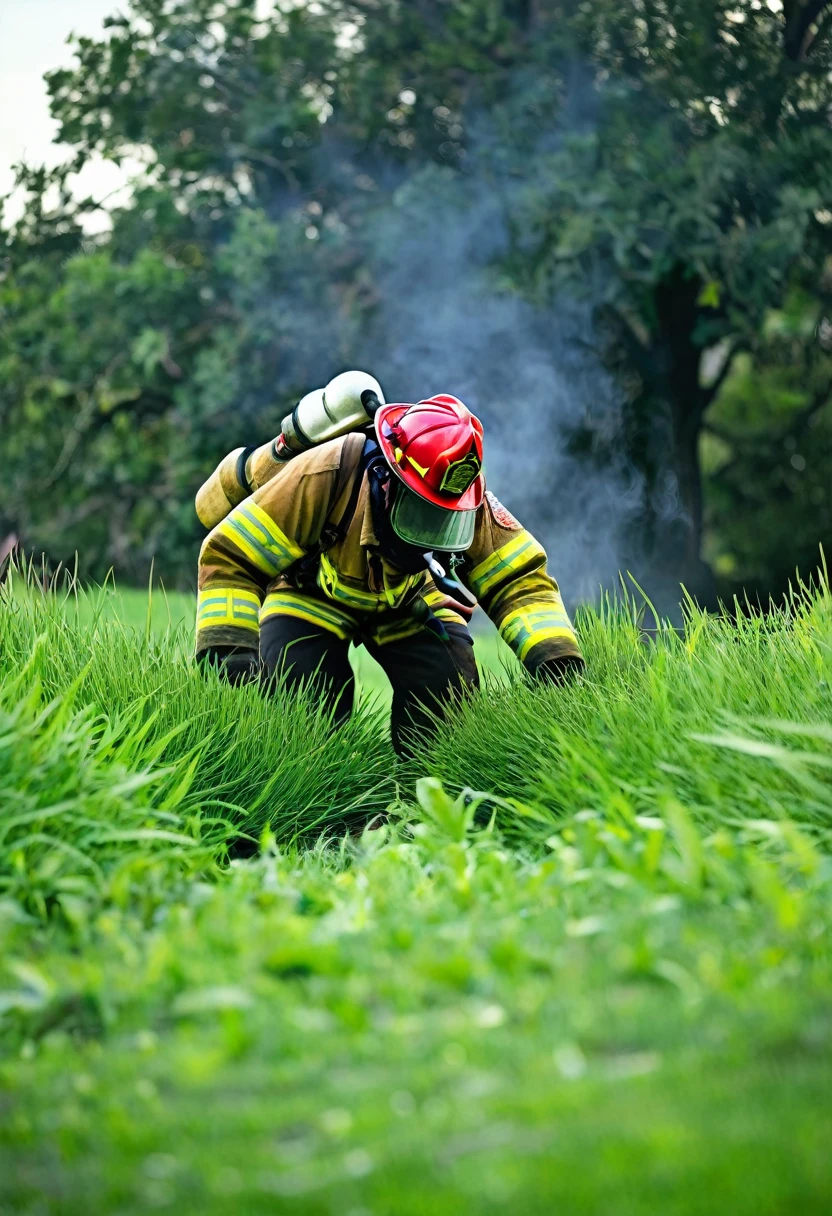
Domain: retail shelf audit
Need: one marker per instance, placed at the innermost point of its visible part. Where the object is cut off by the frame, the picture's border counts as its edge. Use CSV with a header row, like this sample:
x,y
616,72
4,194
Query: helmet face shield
x,y
421,524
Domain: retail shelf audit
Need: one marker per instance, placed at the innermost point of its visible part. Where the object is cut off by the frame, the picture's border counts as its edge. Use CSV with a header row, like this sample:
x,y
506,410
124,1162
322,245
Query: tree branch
x,y
800,17
711,391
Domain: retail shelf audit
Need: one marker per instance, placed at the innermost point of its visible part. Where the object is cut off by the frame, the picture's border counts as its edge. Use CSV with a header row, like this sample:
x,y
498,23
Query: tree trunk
x,y
694,573
678,384
662,425
800,16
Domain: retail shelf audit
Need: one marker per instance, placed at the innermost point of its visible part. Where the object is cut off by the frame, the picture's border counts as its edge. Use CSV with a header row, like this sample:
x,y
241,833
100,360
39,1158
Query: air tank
x,y
346,404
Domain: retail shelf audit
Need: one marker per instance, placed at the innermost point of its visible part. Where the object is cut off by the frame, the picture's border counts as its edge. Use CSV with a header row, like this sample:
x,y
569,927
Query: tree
x,y
695,202
767,455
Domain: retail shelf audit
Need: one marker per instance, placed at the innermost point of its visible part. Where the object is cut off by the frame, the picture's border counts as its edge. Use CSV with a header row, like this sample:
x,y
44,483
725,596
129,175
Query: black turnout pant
x,y
427,673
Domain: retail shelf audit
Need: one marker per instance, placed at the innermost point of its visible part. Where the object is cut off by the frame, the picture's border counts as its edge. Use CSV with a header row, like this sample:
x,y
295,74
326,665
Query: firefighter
x,y
389,540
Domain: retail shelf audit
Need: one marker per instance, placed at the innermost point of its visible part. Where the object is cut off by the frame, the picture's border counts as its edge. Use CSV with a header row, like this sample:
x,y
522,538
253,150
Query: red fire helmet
x,y
435,448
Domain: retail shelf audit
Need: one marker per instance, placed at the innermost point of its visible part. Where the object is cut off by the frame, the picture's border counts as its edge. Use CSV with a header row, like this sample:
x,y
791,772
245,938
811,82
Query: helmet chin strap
x,y
406,557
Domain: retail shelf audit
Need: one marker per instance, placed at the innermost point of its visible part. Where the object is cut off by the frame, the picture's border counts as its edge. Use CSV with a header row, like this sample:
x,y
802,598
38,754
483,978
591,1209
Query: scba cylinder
x,y
224,489
346,404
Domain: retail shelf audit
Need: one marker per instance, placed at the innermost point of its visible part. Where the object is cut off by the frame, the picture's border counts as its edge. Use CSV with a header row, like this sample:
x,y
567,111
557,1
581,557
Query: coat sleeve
x,y
258,540
506,571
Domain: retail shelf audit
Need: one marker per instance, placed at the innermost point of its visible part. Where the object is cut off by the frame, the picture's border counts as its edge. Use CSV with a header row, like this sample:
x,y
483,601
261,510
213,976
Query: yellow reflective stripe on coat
x,y
534,623
396,630
227,606
503,562
363,601
434,599
328,581
257,535
307,608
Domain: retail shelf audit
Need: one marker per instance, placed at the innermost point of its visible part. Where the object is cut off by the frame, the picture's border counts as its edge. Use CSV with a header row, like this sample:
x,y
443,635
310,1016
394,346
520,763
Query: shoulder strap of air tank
x,y
343,502
346,490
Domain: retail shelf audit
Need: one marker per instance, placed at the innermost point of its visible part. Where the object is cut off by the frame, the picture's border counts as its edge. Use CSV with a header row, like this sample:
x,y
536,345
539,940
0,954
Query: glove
x,y
233,664
558,671
466,611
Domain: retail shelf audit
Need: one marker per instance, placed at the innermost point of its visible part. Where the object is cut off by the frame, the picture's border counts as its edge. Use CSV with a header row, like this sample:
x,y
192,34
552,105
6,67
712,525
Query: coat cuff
x,y
227,616
556,668
226,637
539,631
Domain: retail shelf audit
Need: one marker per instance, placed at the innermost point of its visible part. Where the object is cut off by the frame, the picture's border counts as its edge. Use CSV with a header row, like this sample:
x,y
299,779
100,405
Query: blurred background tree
x,y
698,196
671,161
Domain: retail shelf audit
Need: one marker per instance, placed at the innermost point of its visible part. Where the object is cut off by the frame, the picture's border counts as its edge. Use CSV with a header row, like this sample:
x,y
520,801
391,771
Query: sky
x,y
33,36
33,40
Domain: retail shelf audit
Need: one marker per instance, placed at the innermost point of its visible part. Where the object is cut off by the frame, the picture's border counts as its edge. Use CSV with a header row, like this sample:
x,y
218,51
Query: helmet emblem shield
x,y
461,474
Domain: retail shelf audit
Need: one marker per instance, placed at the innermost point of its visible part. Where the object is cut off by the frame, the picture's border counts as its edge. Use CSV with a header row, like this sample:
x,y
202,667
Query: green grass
x,y
161,612
585,967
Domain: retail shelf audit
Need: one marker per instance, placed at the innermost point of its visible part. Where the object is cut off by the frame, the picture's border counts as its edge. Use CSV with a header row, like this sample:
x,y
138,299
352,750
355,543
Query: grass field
x,y
586,966
173,612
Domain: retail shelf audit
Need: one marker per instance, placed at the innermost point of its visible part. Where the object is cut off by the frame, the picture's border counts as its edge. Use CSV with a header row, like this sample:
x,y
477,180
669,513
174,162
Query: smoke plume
x,y
531,374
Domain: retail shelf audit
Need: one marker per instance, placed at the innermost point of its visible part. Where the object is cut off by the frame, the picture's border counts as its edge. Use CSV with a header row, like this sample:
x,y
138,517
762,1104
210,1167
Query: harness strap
x,y
342,506
242,461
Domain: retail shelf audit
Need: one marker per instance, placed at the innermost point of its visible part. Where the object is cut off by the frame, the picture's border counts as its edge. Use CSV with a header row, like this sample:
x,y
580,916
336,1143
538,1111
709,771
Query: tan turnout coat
x,y
246,561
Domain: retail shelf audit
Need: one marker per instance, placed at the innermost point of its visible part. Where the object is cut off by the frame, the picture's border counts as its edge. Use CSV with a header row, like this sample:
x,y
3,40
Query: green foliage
x,y
683,720
607,978
430,1024
88,812
766,453
92,441
693,194
247,759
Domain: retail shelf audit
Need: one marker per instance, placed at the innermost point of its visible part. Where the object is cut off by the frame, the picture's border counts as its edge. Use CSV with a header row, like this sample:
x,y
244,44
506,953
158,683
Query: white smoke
x,y
532,375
